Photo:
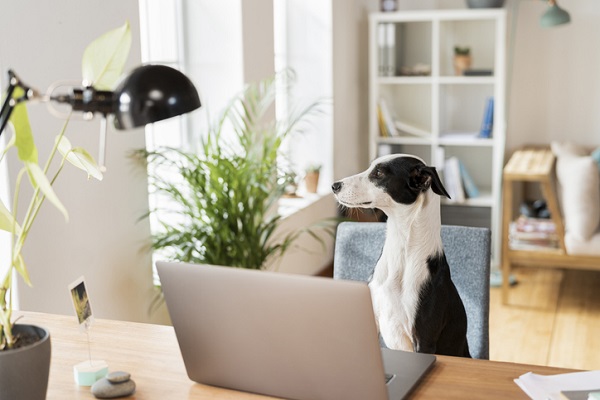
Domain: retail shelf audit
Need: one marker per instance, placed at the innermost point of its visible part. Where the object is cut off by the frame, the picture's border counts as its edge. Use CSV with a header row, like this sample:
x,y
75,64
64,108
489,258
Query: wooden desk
x,y
151,354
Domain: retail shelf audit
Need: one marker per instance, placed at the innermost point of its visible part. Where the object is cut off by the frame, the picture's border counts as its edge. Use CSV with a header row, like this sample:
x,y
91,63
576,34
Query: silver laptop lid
x,y
289,336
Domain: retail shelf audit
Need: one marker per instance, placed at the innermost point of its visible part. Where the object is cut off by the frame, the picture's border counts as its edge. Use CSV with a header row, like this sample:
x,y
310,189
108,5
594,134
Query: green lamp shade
x,y
152,93
554,16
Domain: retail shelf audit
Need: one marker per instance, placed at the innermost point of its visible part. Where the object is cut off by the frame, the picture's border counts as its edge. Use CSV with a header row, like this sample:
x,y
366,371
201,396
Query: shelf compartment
x,y
478,167
462,107
399,51
478,35
409,104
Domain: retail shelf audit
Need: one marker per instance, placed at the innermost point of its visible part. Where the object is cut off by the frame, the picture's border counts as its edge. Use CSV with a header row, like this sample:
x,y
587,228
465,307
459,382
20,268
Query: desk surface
x,y
151,354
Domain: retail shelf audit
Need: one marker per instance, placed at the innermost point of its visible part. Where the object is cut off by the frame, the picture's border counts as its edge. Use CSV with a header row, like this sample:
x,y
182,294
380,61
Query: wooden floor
x,y
553,319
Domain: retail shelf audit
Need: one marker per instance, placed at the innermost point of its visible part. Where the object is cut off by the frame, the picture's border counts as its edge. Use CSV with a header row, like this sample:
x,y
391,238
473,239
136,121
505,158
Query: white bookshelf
x,y
441,103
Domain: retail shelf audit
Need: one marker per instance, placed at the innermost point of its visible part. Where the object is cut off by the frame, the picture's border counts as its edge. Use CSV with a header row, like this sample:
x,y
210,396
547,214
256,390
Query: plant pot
x,y
24,371
312,181
485,3
461,63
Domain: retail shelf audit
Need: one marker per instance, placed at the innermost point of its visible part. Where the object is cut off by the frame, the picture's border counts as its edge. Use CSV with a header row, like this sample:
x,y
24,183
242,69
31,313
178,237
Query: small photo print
x,y
81,302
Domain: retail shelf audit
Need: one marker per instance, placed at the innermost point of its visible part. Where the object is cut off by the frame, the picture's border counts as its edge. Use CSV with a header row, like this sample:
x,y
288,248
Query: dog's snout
x,y
336,187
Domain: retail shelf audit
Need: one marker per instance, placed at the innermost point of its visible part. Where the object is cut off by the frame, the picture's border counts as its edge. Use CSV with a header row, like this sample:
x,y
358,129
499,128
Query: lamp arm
x,y
10,102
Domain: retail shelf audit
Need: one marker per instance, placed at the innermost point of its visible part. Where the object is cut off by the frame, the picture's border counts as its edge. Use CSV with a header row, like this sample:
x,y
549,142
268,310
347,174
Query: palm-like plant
x,y
221,205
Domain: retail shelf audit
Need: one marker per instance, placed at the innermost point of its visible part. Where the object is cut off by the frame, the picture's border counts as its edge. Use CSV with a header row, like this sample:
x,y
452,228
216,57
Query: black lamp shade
x,y
152,93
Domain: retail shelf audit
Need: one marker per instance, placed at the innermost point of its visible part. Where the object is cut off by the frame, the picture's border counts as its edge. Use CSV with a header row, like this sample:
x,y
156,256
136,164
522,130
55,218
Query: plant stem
x,y
35,201
32,211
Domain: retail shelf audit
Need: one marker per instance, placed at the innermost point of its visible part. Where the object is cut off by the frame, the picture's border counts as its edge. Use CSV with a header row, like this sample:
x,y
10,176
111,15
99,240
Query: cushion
x,y
596,157
579,190
590,247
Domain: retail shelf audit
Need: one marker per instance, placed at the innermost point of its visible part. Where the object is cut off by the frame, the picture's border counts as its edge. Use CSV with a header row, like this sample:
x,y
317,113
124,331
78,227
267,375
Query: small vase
x,y
461,63
312,181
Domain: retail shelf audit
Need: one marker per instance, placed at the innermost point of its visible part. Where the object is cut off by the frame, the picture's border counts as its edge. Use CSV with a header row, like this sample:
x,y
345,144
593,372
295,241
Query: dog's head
x,y
390,180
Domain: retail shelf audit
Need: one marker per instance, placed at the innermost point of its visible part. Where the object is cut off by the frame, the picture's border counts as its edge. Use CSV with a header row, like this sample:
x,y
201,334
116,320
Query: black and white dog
x,y
416,305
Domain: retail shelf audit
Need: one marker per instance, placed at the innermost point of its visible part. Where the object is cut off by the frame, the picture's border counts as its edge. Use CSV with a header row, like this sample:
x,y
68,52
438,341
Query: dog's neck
x,y
414,231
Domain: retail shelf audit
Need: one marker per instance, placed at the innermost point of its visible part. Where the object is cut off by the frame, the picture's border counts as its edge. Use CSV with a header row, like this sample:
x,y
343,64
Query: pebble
x,y
118,376
116,384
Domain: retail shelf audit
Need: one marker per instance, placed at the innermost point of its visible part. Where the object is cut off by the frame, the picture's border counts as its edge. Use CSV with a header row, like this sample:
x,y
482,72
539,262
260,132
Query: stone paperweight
x,y
116,384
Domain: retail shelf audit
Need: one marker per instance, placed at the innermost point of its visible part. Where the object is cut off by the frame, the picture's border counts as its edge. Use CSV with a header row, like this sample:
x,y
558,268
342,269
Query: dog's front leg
x,y
399,342
425,346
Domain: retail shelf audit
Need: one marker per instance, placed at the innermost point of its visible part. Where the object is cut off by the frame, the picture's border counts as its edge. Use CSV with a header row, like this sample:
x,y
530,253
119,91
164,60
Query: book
x,y
381,50
387,118
471,189
580,394
478,72
386,40
453,181
410,129
380,121
390,33
528,233
487,124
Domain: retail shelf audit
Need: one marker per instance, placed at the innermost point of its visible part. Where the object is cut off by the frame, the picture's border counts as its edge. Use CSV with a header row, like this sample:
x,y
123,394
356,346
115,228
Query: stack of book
x,y
458,181
389,127
386,41
528,233
385,120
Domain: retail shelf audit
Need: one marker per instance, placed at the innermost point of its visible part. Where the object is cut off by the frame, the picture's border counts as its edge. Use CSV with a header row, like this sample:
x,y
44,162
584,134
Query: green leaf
x,y
79,157
104,58
22,269
23,136
40,181
7,221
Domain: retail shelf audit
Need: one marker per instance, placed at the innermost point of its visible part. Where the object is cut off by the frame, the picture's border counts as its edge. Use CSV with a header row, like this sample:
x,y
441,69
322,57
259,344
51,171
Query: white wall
x,y
43,42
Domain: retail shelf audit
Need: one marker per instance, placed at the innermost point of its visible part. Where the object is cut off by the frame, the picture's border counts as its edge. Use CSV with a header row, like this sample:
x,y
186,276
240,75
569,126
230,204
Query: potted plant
x,y
219,204
25,349
311,177
462,59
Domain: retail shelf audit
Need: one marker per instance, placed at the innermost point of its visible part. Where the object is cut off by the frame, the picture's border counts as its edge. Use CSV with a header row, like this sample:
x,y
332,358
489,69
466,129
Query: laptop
x,y
291,336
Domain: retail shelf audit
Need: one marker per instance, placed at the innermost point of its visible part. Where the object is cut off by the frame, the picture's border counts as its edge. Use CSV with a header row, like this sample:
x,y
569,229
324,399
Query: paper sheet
x,y
548,387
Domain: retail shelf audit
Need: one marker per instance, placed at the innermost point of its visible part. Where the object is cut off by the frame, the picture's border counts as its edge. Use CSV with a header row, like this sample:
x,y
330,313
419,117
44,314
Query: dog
x,y
416,304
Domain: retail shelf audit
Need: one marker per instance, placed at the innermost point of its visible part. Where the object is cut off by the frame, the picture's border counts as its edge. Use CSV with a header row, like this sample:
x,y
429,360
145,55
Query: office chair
x,y
359,245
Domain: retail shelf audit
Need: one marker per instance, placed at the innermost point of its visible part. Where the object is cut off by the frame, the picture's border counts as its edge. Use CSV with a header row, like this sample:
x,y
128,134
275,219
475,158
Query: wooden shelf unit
x,y
535,165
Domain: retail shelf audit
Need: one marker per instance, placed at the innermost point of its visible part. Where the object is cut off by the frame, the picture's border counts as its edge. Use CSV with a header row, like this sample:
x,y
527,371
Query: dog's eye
x,y
377,173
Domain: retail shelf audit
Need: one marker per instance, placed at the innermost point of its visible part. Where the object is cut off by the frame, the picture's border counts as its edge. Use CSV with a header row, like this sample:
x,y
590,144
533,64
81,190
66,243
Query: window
x,y
205,40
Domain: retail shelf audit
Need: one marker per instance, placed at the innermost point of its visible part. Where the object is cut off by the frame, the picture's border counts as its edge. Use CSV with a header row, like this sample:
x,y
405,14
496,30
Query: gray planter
x,y
24,371
485,3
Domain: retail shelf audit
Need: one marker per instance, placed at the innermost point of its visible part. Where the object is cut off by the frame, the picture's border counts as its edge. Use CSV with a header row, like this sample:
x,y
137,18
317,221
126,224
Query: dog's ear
x,y
423,177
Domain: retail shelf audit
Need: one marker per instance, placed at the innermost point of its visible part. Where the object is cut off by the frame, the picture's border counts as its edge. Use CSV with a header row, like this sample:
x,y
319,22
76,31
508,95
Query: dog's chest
x,y
395,290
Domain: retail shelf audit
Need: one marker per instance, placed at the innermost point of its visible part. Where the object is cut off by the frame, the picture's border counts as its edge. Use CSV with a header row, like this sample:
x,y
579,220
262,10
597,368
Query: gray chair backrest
x,y
359,244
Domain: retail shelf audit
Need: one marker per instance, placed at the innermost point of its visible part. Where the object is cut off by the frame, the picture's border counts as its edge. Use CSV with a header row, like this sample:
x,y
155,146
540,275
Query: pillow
x,y
568,149
579,190
596,157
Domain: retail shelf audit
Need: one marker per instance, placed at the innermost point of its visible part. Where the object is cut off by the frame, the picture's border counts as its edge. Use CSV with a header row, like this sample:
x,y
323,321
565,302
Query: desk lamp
x,y
554,15
148,94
